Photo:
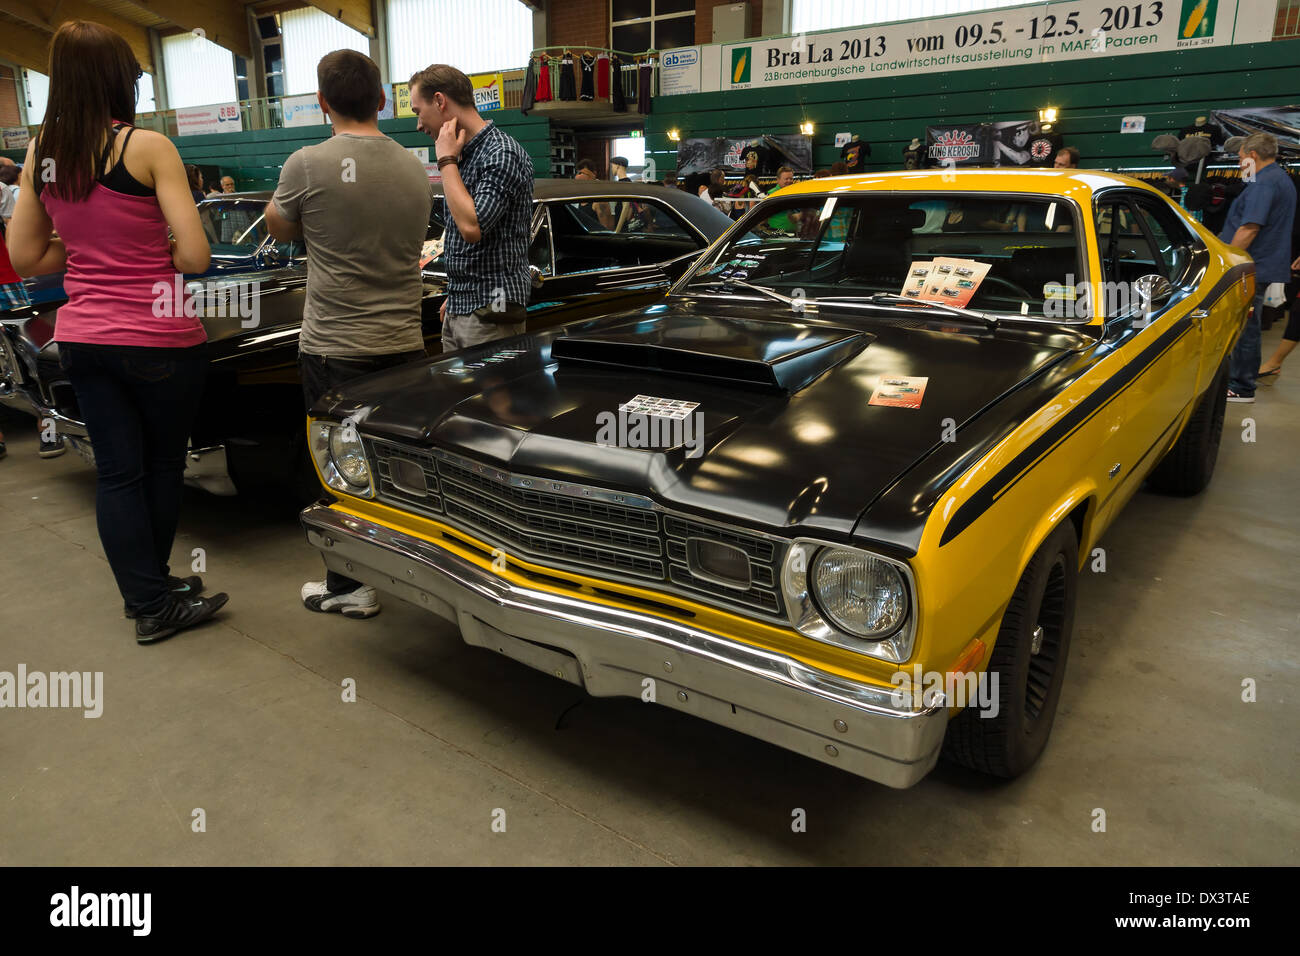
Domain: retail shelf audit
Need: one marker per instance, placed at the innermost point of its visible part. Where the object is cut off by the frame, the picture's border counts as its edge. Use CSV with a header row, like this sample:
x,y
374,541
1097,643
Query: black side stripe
x,y
1079,416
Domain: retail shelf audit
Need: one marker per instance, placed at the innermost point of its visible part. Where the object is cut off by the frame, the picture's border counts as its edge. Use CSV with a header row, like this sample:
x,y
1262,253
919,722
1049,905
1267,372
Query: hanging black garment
x,y
530,88
588,64
568,82
618,95
643,88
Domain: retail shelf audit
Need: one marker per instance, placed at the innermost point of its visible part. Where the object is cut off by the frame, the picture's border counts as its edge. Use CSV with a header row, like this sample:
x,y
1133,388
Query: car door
x,y
601,254
1140,236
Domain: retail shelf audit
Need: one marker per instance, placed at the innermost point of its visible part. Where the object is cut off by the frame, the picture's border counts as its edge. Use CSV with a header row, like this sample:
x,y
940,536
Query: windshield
x,y
1004,255
233,227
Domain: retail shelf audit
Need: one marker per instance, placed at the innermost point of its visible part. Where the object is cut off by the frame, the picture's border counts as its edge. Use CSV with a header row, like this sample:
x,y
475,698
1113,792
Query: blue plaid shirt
x,y
498,173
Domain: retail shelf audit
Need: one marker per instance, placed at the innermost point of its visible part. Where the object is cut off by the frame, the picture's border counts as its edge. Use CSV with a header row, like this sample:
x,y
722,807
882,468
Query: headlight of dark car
x,y
341,458
850,598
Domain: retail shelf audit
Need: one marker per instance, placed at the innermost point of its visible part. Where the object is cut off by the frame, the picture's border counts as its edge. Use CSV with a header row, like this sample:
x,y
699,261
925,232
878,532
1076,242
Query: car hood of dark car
x,y
790,437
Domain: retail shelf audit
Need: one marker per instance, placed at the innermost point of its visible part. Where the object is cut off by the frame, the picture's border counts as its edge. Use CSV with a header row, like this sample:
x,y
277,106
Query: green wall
x,y
1170,89
254,158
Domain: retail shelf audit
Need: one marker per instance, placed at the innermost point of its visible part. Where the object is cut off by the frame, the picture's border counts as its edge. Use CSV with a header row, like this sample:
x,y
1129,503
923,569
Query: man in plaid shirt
x,y
487,182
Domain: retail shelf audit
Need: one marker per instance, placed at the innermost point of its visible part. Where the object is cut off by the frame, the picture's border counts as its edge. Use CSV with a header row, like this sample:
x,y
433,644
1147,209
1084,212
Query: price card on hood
x,y
899,391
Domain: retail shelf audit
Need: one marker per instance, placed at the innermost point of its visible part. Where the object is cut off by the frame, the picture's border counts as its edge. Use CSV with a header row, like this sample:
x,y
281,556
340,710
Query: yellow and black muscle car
x,y
835,491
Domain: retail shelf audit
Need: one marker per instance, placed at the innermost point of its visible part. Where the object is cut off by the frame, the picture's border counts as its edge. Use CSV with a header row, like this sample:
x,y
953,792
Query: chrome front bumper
x,y
614,652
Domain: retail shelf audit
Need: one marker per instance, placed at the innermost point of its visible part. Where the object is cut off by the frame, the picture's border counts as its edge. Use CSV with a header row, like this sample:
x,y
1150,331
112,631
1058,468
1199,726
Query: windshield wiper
x,y
890,298
729,282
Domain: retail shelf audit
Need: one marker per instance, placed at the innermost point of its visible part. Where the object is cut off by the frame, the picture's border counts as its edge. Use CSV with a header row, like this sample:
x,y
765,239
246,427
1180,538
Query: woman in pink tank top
x,y
136,362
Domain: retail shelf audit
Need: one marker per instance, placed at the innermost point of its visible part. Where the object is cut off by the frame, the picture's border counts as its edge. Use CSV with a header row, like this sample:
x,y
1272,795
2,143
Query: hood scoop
x,y
784,356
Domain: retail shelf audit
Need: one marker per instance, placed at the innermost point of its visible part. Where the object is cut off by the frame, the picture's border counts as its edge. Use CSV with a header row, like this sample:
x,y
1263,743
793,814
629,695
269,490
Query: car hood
x,y
788,435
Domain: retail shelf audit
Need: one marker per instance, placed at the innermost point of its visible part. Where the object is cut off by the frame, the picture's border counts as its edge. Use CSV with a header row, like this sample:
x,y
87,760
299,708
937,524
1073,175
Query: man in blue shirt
x,y
1259,221
487,182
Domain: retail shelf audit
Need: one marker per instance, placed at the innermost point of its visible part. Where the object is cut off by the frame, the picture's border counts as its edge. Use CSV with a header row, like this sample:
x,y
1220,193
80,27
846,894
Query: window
x,y
637,25
1013,262
478,36
1173,245
308,35
606,233
198,71
233,228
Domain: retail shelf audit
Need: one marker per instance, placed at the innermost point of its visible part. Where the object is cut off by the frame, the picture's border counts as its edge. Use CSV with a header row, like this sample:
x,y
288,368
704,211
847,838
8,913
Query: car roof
x,y
704,216
1077,183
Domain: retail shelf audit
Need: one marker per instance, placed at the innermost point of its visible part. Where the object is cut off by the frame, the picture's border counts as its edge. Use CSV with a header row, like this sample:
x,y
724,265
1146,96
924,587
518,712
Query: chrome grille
x,y
384,454
580,528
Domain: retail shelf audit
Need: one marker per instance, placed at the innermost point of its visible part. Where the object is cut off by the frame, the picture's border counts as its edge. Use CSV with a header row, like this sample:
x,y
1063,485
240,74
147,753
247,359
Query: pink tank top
x,y
120,280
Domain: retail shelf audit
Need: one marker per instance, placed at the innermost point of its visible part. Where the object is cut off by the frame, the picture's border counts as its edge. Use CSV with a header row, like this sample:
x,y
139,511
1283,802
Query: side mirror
x,y
535,273
1153,293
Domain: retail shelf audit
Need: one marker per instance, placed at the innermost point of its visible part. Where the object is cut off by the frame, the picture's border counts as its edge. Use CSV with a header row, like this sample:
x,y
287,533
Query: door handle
x,y
1199,316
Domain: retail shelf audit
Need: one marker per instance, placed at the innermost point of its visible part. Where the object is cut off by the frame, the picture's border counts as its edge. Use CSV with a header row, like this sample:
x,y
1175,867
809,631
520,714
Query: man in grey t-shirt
x,y
361,204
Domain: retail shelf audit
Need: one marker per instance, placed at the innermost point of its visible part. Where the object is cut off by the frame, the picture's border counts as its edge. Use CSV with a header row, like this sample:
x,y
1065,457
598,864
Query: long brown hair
x,y
92,82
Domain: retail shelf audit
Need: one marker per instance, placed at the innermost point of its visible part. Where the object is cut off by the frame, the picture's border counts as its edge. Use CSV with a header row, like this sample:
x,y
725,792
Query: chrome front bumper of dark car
x,y
618,652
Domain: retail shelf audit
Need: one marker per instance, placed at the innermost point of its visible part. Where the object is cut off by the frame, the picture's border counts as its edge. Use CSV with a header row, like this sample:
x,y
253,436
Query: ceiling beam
x,y
354,13
27,47
34,14
222,21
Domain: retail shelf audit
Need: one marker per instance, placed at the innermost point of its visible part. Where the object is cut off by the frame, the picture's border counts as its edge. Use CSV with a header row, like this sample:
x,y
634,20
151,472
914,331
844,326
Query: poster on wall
x,y
679,71
302,111
1012,143
756,155
1054,32
970,144
402,100
1282,121
219,118
487,91
14,137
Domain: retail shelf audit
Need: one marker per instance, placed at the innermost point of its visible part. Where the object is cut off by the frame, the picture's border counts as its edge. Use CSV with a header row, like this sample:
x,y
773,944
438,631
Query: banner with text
x,y
1039,33
487,91
14,137
219,118
302,111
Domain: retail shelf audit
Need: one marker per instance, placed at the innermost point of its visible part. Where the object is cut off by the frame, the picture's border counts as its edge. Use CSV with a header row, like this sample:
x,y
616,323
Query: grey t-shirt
x,y
363,202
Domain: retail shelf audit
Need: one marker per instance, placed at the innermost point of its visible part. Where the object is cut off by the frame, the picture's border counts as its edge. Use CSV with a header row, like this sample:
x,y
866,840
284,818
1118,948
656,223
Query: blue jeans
x,y
139,406
1243,366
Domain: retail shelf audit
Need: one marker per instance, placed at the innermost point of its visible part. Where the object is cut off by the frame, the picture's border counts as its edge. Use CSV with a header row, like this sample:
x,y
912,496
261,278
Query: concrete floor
x,y
244,718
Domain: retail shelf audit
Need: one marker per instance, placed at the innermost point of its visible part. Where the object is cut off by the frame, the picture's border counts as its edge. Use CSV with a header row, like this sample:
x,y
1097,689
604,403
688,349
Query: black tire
x,y
1187,467
1029,684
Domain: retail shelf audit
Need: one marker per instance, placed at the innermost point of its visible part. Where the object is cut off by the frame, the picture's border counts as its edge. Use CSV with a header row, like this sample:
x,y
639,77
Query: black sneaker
x,y
178,614
179,587
52,449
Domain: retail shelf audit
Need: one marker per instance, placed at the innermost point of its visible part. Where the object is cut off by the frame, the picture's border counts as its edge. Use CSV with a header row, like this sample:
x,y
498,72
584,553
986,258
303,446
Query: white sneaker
x,y
363,602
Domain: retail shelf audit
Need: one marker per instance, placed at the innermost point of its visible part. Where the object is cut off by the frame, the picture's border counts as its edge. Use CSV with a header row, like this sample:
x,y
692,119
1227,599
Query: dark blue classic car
x,y
588,258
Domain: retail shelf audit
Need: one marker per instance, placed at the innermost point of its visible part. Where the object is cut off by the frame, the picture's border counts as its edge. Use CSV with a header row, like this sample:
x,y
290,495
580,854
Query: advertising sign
x,y
761,156
1058,31
402,100
302,111
679,71
220,118
487,91
14,137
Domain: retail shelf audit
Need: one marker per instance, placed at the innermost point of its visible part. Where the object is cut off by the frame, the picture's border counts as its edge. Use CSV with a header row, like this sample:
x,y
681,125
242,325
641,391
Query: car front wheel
x,y
1028,663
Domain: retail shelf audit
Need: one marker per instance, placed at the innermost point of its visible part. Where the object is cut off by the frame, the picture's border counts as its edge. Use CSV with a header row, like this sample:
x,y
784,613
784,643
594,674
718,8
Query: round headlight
x,y
349,457
861,595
